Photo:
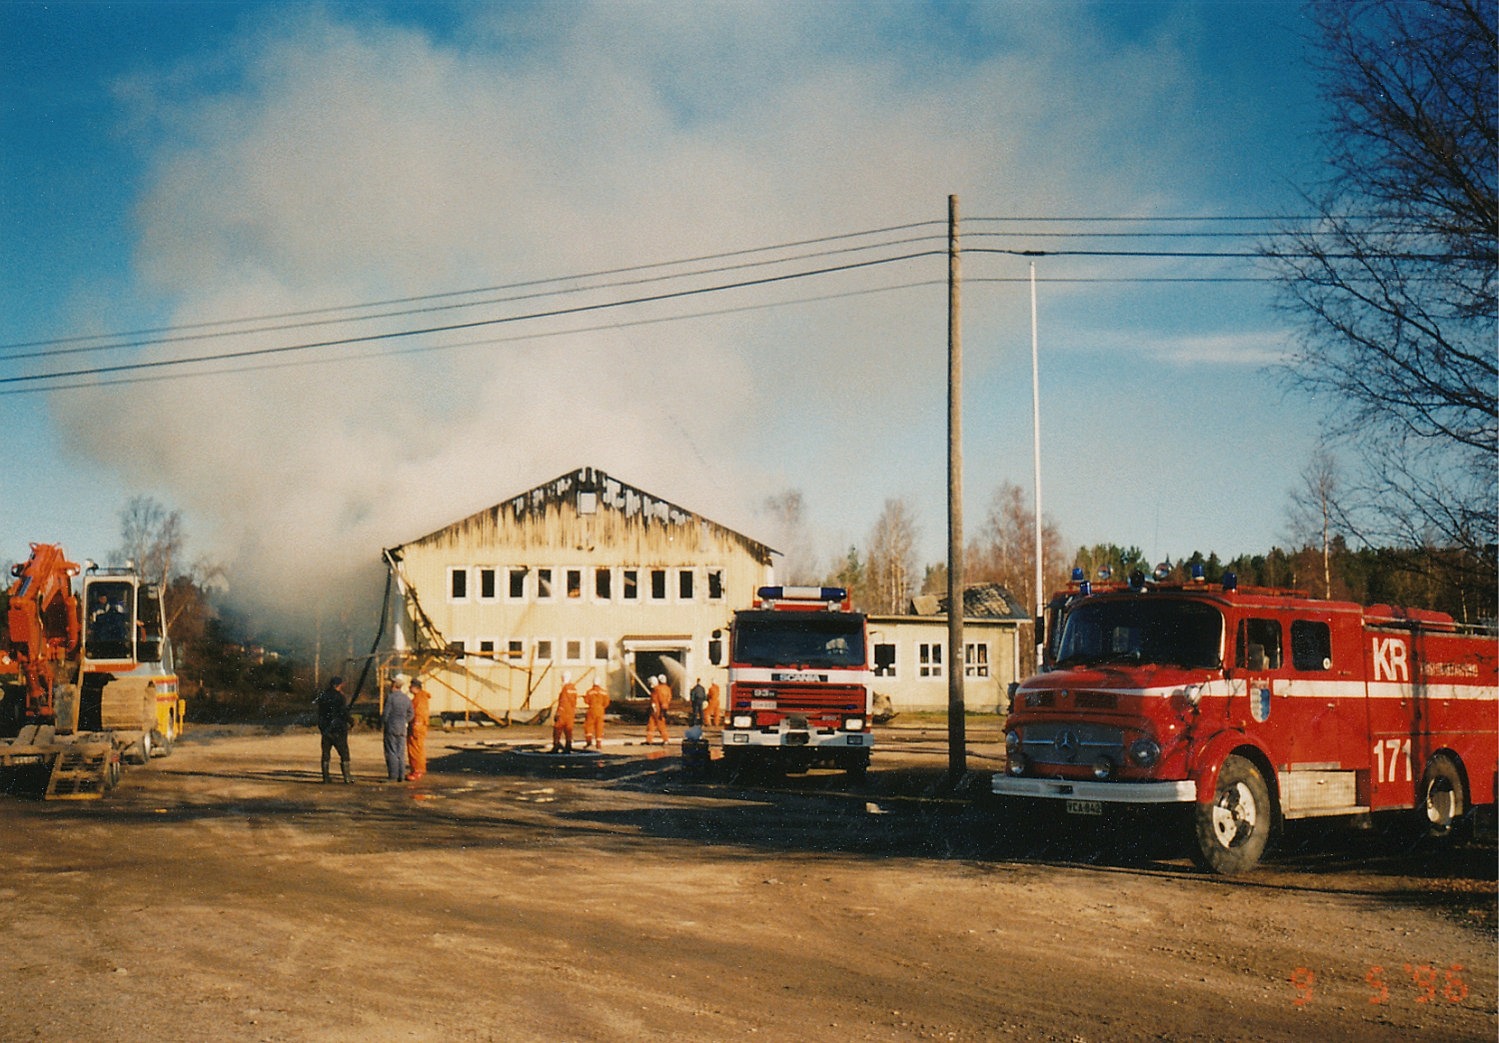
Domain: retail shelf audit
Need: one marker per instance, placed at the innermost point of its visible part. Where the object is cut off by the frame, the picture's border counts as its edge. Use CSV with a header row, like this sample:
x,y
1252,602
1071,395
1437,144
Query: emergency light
x,y
803,593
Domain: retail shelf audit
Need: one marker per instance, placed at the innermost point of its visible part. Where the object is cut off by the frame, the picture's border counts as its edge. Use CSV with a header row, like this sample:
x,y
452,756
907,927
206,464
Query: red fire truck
x,y
799,682
1250,707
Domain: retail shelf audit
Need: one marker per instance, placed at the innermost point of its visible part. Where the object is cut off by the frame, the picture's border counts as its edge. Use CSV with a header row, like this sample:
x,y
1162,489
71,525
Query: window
x,y
574,583
573,650
601,651
929,659
1259,644
515,648
602,579
975,659
457,650
486,648
684,584
658,584
1311,645
715,584
884,660
543,648
517,585
486,584
631,582
457,584
543,584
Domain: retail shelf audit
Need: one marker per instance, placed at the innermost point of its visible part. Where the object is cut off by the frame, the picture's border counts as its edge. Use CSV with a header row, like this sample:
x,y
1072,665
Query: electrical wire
x,y
185,328
364,338
181,333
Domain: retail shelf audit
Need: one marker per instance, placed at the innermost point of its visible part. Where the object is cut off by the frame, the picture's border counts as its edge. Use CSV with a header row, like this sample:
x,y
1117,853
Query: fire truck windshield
x,y
1147,629
799,639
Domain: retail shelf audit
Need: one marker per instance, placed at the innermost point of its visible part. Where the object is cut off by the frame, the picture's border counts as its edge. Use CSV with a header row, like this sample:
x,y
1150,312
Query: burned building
x,y
584,575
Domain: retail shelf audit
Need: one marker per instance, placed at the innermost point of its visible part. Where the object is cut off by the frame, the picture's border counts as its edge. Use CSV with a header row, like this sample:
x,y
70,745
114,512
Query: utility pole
x,y
1036,449
957,740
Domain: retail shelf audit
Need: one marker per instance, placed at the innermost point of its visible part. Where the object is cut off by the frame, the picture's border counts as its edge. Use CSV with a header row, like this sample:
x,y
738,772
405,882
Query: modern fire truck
x,y
84,678
799,682
1248,707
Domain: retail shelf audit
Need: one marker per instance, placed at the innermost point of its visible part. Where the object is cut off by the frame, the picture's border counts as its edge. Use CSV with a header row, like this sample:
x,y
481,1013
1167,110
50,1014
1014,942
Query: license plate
x,y
1084,807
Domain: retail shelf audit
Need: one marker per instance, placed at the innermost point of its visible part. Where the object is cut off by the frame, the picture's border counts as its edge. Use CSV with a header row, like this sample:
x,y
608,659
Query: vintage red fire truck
x,y
1250,707
799,682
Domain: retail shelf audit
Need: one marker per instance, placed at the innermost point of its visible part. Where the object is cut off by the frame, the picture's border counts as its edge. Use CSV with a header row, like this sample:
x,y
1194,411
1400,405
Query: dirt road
x,y
226,893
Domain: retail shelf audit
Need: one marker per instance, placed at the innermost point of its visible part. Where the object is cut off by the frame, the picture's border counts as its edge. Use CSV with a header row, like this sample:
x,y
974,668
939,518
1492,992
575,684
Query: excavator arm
x,y
42,626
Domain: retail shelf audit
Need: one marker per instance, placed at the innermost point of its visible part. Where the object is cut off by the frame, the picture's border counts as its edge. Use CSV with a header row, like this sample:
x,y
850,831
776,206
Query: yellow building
x,y
584,576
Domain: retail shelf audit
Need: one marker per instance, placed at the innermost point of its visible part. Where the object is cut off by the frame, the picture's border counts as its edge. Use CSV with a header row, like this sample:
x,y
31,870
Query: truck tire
x,y
139,752
161,745
1233,830
1442,797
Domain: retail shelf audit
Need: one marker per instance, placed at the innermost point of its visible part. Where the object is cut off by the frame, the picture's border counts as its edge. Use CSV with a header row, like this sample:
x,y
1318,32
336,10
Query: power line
x,y
387,335
651,266
574,331
365,338
405,313
600,273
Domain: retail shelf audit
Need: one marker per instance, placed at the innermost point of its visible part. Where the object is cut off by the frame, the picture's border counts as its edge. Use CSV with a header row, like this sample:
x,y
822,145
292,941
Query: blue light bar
x,y
803,593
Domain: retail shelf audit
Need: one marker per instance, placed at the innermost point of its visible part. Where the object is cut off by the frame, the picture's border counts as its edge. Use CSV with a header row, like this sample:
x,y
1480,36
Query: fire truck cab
x,y
799,682
1251,707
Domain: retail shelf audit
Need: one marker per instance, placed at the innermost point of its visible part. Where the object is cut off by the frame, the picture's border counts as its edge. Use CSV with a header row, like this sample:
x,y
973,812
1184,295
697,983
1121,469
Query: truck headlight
x,y
741,720
1012,742
853,724
1103,768
1018,763
1145,751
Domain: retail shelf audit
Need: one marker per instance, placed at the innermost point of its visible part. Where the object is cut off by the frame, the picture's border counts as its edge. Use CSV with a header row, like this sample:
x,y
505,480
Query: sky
x,y
767,185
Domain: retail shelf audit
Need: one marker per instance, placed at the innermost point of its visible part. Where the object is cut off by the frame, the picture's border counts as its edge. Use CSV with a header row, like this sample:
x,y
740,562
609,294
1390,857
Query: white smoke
x,y
358,160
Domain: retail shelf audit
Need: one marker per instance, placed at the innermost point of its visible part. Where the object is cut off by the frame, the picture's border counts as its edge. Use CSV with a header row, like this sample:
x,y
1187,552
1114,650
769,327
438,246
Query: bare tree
x,y
151,537
1005,550
1394,286
890,565
1315,513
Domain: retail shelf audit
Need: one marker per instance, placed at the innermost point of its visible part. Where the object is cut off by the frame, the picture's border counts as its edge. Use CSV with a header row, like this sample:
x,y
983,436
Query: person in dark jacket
x,y
333,723
398,715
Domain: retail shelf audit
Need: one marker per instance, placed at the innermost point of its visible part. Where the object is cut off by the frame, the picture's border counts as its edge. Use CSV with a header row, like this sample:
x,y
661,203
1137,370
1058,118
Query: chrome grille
x,y
1072,743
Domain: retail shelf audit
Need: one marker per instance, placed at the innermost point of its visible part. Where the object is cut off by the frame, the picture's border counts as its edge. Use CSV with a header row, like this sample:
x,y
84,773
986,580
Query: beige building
x,y
911,664
585,576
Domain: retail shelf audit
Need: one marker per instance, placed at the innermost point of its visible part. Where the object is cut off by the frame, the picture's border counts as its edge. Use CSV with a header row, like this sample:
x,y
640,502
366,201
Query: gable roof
x,y
591,486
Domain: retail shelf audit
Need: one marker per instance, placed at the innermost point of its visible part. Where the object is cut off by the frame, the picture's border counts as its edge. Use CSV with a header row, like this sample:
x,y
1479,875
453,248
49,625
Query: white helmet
x,y
567,678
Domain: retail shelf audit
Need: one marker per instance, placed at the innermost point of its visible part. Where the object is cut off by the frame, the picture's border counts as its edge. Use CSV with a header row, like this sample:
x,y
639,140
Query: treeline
x,y
883,575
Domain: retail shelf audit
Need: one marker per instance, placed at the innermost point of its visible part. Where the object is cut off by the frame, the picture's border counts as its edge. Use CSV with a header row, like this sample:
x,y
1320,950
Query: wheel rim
x,y
1234,815
1441,804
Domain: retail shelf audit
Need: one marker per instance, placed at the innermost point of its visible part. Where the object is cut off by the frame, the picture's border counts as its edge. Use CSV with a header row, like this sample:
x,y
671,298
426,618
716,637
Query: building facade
x,y
585,576
911,664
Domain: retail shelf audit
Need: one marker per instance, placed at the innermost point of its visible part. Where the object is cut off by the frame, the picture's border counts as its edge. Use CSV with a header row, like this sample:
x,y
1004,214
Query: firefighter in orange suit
x,y
596,699
715,706
563,717
416,735
660,700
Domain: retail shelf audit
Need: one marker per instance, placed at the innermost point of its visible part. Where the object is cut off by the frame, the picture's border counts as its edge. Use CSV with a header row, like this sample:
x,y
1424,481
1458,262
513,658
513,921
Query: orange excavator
x,y
86,675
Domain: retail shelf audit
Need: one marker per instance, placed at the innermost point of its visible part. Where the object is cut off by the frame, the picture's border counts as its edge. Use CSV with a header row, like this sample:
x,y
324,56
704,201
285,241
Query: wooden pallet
x,y
82,771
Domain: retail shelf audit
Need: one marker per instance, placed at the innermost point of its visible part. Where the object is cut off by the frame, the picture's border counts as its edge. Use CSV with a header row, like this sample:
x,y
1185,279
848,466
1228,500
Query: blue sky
x,y
164,164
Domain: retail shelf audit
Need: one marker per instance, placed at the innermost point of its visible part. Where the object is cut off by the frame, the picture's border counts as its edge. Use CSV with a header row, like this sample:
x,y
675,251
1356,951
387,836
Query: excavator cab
x,y
110,626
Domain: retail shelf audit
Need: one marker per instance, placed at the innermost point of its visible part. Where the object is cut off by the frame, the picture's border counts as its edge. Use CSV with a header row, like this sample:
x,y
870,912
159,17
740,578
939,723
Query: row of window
x,y
929,657
1259,645
573,650
581,651
522,583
